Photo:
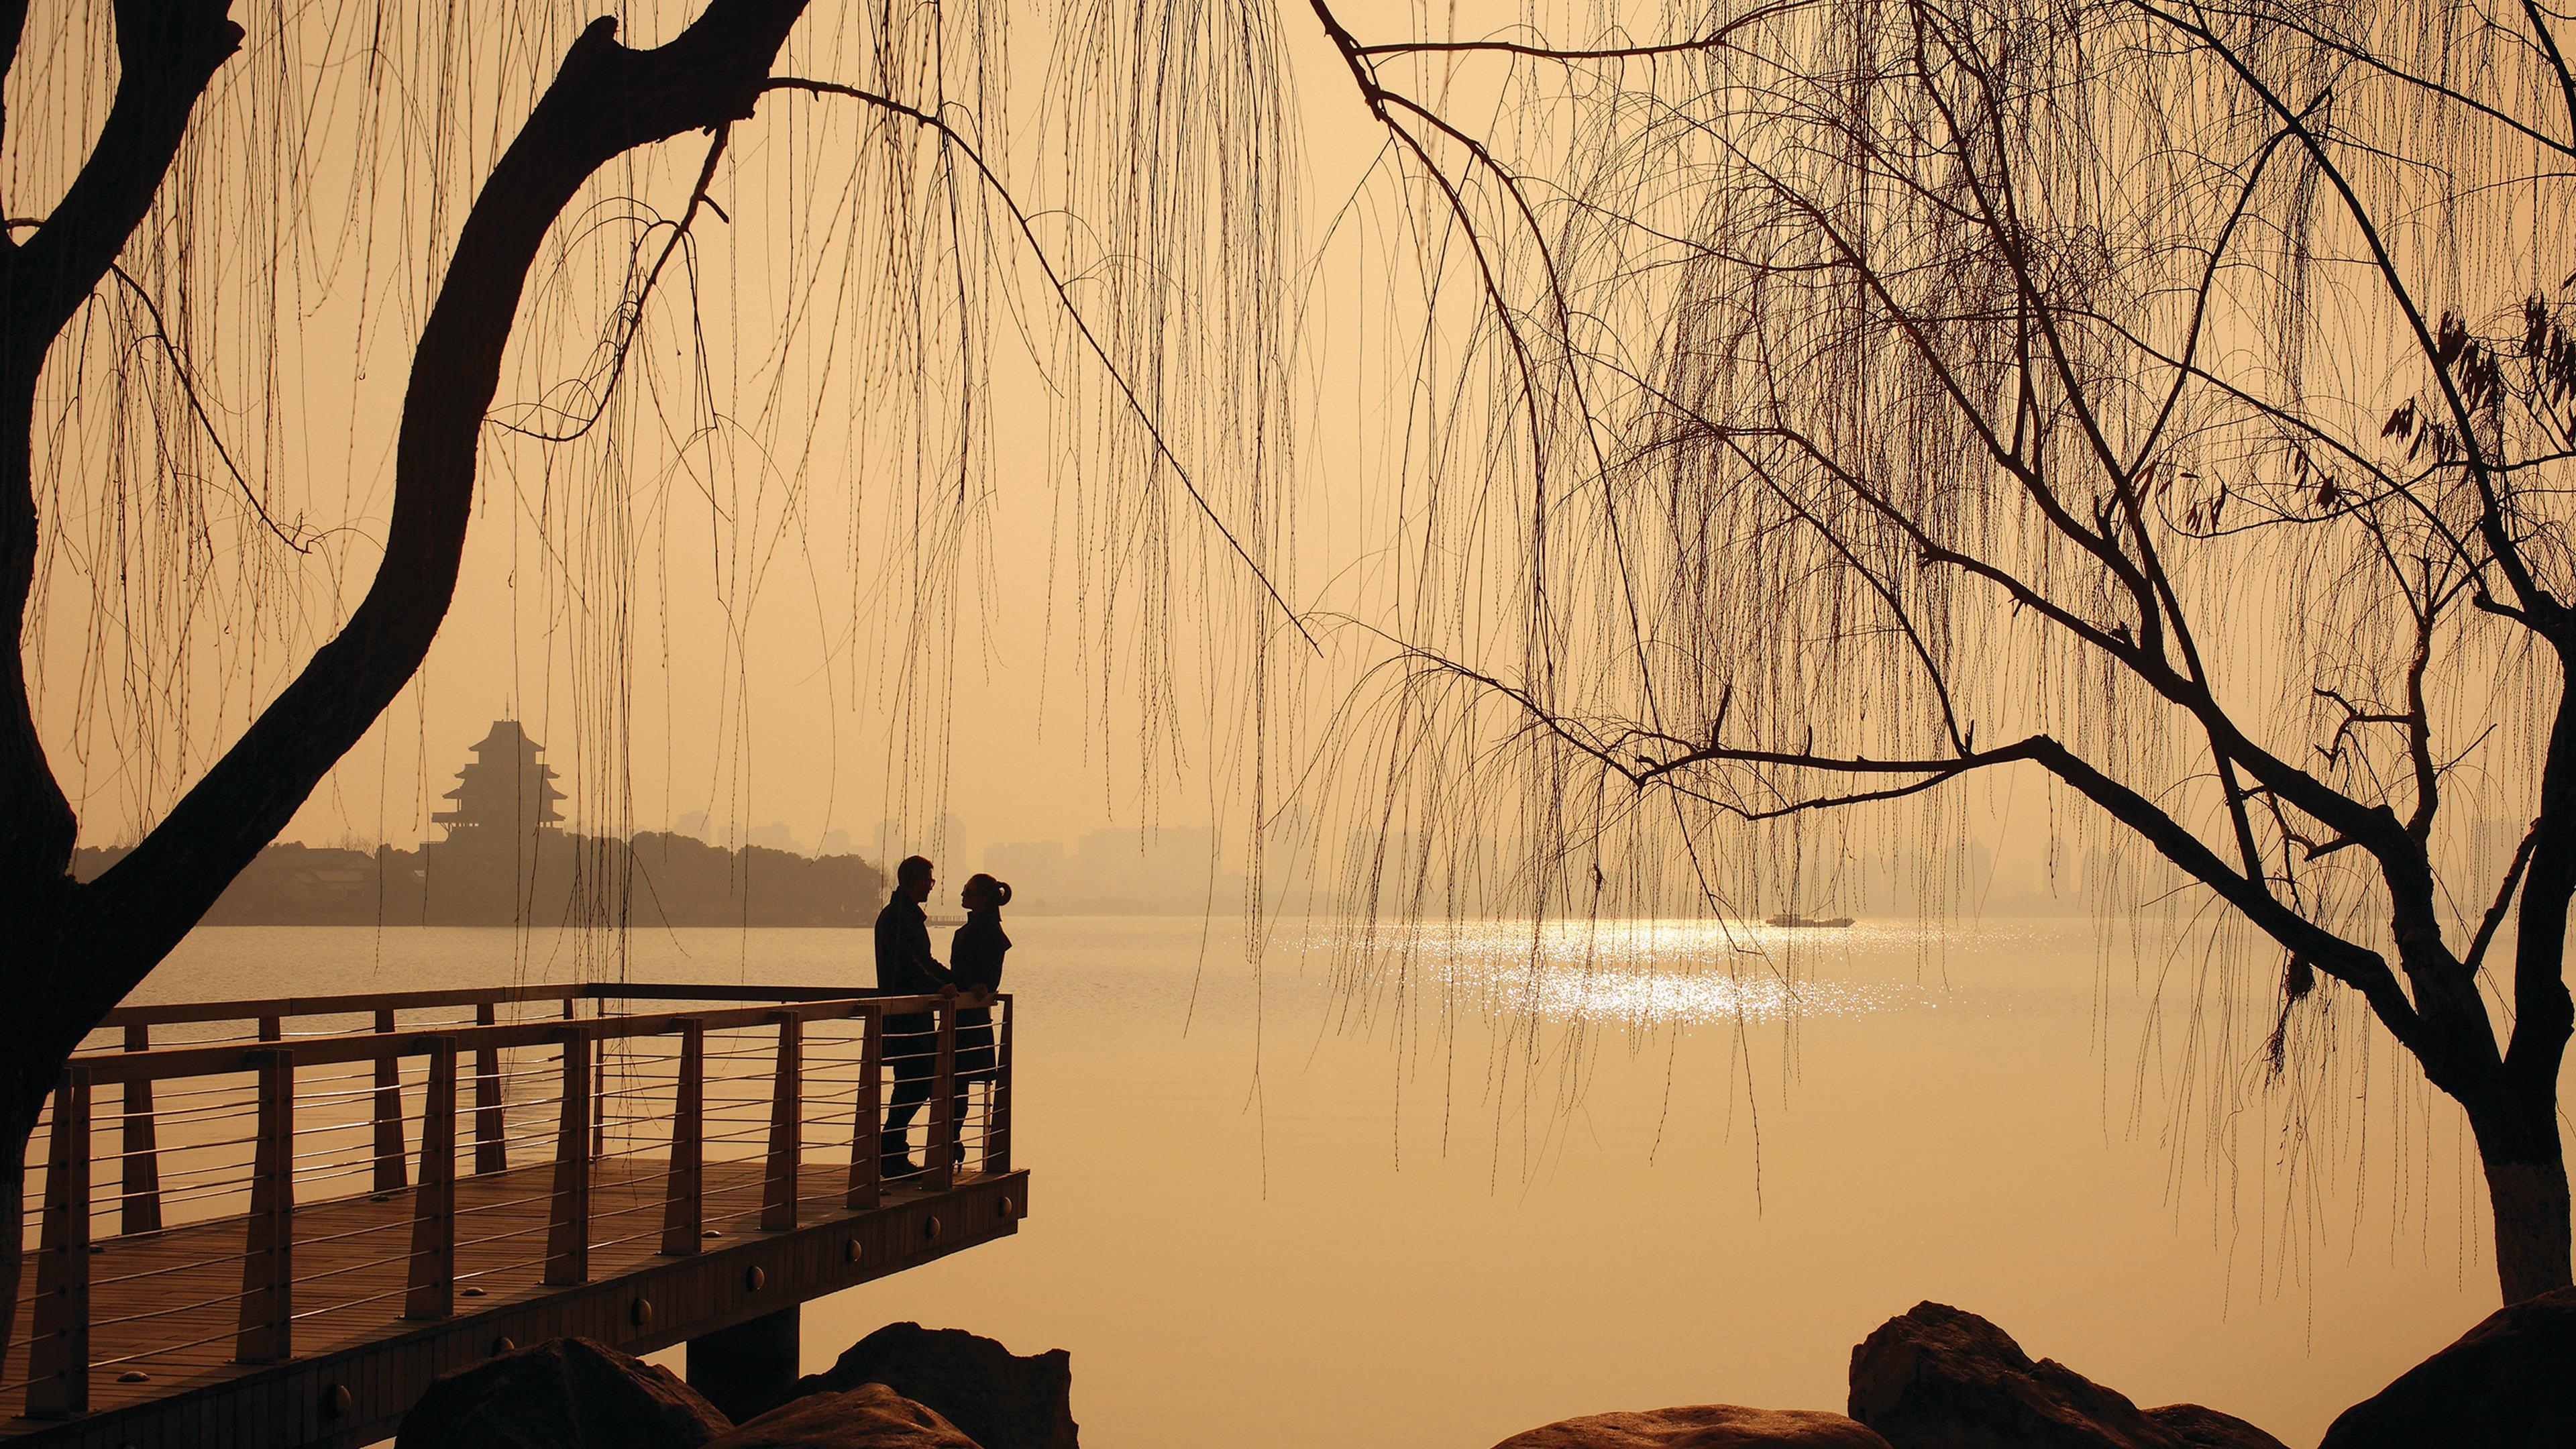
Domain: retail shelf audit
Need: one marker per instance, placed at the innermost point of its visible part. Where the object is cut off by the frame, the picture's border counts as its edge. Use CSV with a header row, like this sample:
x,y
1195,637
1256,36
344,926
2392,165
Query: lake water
x,y
1434,1201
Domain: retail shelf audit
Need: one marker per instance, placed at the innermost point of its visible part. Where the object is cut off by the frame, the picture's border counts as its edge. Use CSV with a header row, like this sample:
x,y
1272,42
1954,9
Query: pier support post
x,y
779,1187
568,1210
389,1112
747,1368
684,1204
430,1284
491,1119
266,1331
140,1210
867,1113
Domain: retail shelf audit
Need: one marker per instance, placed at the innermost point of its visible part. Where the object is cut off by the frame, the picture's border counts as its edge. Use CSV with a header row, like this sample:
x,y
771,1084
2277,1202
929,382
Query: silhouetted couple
x,y
905,967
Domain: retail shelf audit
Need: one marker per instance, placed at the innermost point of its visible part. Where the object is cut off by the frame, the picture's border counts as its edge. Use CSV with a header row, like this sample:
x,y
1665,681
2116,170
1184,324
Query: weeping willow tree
x,y
211,603
2168,401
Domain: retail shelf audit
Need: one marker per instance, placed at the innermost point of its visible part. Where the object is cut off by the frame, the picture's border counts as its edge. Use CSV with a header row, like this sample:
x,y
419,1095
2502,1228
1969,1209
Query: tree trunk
x,y
2512,1114
2526,1170
2527,1166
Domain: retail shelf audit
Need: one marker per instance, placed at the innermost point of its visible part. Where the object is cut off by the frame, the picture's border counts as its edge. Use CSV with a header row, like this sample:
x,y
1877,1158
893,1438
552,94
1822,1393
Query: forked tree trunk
x,y
2526,1173
2513,1120
2529,1200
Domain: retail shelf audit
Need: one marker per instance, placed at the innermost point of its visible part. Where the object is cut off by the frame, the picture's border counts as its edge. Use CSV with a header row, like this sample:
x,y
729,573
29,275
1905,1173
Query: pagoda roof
x,y
506,734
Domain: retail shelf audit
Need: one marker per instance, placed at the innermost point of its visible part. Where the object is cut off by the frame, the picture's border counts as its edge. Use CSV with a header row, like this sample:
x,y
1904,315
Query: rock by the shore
x,y
1700,1426
870,1416
2200,1428
2509,1383
1942,1378
998,1399
564,1393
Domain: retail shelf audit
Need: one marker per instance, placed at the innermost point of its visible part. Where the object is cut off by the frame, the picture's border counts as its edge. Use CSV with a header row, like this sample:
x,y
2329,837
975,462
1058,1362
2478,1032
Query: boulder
x,y
870,1416
997,1398
2509,1383
1943,1378
1700,1426
2202,1428
564,1393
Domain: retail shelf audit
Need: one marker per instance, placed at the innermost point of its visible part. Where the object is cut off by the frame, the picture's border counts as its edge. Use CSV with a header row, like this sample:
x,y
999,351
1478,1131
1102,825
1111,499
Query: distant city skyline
x,y
1115,868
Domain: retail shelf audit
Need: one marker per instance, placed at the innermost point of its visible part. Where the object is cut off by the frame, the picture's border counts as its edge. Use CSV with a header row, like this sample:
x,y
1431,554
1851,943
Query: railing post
x,y
431,1289
684,1208
272,1028
599,1097
568,1214
389,1123
266,1330
491,1123
943,1103
867,1111
997,1108
786,1127
139,1175
58,1355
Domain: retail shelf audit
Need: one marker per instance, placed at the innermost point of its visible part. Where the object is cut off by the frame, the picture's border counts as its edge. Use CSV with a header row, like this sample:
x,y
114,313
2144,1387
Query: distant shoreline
x,y
237,918
1114,908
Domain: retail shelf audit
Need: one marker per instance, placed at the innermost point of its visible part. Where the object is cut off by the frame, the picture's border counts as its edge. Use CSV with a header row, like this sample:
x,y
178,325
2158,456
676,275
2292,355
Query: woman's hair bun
x,y
983,884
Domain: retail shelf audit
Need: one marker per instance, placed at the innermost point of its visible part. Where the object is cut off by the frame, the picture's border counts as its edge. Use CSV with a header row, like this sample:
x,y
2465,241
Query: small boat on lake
x,y
1792,918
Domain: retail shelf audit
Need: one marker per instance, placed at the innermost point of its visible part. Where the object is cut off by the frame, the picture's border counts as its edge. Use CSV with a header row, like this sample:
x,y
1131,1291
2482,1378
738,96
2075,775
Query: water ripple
x,y
1643,973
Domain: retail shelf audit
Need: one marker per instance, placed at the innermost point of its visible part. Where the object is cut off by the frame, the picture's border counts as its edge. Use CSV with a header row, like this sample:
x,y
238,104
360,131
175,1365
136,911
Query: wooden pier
x,y
271,1229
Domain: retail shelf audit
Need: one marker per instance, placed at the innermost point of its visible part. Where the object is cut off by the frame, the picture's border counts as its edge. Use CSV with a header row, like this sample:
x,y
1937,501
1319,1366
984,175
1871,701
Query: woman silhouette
x,y
975,959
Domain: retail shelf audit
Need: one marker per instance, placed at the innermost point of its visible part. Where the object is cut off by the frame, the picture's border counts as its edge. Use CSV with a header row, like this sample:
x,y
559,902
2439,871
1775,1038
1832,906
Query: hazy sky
x,y
732,618
763,591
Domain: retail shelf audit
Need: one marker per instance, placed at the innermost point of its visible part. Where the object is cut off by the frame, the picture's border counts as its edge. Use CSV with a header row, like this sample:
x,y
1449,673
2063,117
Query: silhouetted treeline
x,y
546,878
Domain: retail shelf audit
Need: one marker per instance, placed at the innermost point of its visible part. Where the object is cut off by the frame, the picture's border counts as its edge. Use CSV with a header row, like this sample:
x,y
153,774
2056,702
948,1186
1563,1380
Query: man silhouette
x,y
905,967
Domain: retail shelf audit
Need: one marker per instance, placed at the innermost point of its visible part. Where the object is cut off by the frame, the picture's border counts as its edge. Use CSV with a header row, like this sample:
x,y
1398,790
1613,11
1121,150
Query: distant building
x,y
1036,869
505,791
506,862
1119,871
942,838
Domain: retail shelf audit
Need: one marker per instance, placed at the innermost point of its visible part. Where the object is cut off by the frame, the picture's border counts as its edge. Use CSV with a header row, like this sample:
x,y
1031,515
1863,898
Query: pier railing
x,y
482,1144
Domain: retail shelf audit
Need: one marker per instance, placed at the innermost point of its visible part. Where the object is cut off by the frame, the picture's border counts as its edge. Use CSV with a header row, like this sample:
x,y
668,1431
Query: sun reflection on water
x,y
1631,973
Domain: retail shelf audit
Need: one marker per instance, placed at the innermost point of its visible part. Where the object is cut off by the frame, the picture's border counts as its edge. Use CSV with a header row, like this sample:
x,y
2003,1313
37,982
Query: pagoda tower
x,y
505,792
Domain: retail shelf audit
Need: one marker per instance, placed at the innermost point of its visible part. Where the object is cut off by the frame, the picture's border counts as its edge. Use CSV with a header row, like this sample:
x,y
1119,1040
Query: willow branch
x,y
1721,38
951,136
197,406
